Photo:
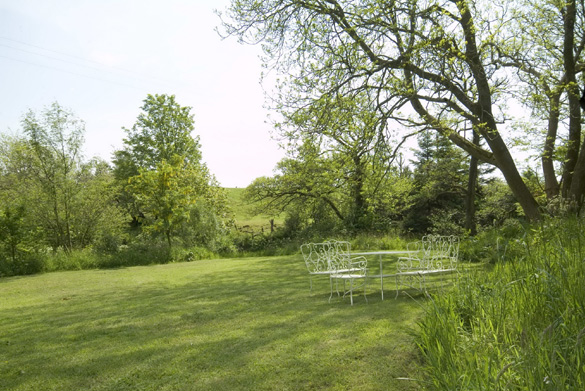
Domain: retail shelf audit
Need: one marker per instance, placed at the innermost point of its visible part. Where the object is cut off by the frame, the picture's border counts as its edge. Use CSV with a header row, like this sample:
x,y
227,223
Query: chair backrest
x,y
340,256
442,251
327,256
317,256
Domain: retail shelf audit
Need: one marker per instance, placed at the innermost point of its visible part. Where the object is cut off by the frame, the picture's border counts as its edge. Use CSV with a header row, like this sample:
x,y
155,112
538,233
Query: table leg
x,y
381,277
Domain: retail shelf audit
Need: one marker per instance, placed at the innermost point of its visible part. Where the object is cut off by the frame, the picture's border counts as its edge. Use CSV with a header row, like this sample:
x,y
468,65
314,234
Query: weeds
x,y
518,327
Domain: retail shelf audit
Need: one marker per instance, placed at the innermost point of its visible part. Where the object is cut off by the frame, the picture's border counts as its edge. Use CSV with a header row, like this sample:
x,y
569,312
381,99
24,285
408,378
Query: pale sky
x,y
100,58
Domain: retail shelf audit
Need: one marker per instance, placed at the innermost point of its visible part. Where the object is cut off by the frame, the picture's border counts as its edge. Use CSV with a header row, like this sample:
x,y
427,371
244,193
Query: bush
x,y
496,244
78,259
378,242
139,253
32,262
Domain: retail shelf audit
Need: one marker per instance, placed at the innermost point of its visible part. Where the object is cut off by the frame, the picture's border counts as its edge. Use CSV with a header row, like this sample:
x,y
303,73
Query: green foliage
x,y
161,132
165,196
50,198
164,185
339,172
449,62
518,326
391,241
55,140
496,244
25,262
439,188
11,227
497,204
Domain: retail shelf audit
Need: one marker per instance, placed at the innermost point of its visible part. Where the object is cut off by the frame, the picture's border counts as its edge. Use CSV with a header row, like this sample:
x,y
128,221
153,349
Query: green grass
x,y
518,327
244,213
234,324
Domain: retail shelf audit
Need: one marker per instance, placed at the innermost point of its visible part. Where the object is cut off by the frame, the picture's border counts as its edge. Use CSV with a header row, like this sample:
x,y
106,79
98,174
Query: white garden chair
x,y
326,258
317,259
354,274
432,255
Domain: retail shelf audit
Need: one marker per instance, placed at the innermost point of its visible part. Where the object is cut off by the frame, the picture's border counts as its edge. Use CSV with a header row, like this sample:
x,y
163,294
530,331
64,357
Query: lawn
x,y
232,324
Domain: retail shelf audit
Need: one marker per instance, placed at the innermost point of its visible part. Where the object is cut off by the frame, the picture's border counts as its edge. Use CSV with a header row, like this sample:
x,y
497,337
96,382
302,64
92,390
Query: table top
x,y
384,252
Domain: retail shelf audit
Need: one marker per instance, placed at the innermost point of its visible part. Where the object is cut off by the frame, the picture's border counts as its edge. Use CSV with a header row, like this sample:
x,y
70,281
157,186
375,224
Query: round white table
x,y
380,254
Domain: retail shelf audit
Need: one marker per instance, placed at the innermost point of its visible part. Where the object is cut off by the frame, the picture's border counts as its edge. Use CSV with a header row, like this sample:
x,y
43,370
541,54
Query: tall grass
x,y
520,326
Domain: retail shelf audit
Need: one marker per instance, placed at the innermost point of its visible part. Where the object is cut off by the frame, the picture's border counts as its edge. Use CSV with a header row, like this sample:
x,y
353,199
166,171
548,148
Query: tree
x,y
162,131
338,158
439,191
98,219
442,58
48,195
55,140
306,188
548,56
160,171
166,195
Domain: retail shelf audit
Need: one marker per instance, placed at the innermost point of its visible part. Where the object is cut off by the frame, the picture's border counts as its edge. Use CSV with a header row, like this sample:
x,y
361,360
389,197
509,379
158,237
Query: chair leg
x,y
331,286
396,288
365,285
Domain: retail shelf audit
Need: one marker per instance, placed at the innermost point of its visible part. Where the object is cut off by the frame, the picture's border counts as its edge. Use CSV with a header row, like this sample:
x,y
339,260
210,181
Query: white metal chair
x,y
432,255
317,259
327,258
355,273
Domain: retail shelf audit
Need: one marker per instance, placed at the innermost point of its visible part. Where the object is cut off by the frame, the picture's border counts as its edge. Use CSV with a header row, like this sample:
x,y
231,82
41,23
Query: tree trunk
x,y
357,194
169,239
574,174
487,124
471,190
551,184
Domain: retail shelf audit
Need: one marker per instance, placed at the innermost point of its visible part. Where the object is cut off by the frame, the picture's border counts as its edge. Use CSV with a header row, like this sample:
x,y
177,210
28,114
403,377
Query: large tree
x,y
49,196
439,191
434,64
548,57
55,139
338,157
160,170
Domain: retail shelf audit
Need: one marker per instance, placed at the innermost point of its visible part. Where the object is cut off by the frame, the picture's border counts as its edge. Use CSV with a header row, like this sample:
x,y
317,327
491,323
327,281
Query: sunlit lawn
x,y
237,324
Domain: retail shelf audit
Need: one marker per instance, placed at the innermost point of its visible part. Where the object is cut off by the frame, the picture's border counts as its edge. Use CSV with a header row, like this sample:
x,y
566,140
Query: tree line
x,y
356,80
156,190
157,201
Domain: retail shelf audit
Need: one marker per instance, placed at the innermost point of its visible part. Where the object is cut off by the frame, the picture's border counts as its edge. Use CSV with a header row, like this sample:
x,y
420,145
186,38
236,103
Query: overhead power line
x,y
89,64
68,71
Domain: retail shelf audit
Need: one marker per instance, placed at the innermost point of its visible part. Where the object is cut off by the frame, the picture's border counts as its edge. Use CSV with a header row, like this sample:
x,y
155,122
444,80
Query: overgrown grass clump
x,y
520,326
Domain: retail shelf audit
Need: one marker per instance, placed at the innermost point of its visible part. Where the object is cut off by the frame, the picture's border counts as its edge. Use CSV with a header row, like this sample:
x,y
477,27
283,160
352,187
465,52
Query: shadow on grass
x,y
233,324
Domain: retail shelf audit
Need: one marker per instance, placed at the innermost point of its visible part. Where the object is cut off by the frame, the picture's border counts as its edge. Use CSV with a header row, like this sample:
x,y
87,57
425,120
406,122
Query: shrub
x,y
139,253
26,262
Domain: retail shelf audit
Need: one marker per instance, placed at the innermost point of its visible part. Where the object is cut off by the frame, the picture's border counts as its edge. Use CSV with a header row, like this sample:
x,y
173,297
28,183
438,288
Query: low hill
x,y
246,220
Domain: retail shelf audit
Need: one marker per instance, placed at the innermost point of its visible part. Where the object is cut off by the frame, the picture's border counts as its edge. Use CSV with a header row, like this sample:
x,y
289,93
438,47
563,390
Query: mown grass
x,y
232,324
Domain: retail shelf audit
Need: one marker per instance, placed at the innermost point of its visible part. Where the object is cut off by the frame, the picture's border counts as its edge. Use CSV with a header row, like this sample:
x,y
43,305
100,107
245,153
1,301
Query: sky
x,y
100,59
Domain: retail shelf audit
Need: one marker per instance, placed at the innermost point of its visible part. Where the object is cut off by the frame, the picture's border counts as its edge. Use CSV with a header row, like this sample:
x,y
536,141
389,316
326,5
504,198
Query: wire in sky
x,y
102,68
69,72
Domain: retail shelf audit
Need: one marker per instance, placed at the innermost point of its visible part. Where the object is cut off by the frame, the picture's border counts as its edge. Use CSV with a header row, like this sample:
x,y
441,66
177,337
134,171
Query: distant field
x,y
244,214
